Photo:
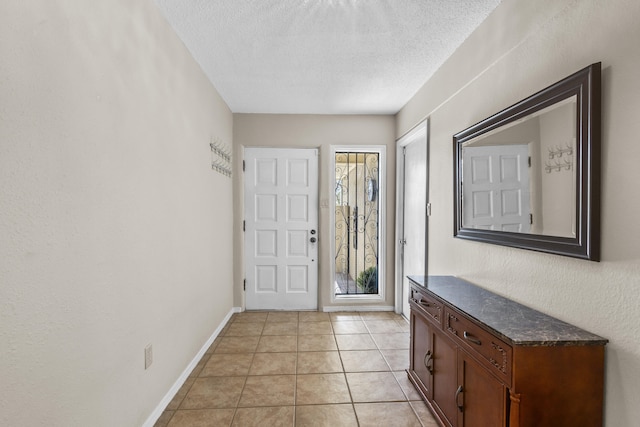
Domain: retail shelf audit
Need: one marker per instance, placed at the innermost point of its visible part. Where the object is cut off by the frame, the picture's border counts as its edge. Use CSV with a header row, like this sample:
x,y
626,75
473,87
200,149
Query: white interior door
x,y
496,188
412,215
281,223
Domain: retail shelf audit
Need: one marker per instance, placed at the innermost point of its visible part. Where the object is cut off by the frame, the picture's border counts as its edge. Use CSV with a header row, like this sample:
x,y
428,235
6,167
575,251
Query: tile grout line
x,y
346,381
295,381
246,377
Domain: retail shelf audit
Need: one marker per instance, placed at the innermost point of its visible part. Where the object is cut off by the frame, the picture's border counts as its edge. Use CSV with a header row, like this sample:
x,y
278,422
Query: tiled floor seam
x,y
235,410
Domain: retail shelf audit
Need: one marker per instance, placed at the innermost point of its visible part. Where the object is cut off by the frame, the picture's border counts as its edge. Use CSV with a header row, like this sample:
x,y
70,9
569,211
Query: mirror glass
x,y
520,177
529,176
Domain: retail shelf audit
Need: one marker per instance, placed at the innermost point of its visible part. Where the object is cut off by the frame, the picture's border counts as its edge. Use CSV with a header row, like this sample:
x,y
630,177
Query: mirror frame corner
x,y
586,85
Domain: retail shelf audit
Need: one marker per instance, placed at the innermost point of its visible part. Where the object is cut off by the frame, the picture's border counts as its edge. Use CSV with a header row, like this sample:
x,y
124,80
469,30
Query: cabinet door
x,y
481,399
445,378
422,352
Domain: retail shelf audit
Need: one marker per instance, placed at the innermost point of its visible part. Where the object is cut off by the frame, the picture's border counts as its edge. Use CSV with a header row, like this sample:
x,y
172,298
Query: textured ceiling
x,y
322,56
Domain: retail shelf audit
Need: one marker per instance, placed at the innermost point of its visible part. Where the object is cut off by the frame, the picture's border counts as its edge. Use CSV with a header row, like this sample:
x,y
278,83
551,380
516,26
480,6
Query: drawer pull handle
x,y
458,393
428,362
467,336
424,302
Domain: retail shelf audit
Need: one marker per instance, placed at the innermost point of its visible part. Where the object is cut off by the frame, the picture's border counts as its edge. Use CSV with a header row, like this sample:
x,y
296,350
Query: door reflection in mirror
x,y
521,177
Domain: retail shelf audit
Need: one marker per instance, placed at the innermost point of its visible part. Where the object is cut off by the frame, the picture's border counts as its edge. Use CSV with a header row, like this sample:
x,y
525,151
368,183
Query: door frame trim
x,y
382,238
401,143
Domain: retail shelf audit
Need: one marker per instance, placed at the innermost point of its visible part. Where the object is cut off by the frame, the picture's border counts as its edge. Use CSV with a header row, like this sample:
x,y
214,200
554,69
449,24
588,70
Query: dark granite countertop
x,y
513,322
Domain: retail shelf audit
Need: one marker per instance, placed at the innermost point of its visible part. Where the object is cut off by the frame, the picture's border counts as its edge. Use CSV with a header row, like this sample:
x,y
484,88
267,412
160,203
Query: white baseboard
x,y
157,412
334,308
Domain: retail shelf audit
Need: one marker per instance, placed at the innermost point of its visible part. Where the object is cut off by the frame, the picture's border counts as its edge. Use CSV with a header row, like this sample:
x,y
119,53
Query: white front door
x,y
496,188
281,228
412,211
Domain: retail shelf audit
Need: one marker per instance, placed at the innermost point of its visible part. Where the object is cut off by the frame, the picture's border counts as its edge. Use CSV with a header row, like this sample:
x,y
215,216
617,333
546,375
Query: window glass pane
x,y
356,222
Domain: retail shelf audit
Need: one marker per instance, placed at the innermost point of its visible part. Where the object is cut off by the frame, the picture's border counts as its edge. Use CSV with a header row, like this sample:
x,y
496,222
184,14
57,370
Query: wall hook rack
x,y
559,151
220,157
566,164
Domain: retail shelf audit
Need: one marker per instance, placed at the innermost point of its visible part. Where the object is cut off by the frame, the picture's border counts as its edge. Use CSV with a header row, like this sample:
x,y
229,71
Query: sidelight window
x,y
356,222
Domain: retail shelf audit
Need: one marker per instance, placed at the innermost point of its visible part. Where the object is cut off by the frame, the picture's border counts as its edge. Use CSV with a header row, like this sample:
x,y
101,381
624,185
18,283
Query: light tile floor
x,y
303,369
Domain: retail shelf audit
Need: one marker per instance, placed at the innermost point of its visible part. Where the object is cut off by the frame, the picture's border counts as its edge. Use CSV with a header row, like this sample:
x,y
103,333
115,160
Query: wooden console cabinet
x,y
479,359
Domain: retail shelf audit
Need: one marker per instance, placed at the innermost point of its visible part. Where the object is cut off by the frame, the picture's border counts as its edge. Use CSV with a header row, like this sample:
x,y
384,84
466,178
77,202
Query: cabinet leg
x,y
514,410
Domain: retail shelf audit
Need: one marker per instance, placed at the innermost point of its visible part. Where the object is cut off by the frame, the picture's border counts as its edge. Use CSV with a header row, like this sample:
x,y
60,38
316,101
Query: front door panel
x,y
281,214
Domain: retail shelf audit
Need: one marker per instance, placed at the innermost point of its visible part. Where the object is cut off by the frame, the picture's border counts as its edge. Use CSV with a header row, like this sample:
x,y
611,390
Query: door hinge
x,y
529,161
244,287
244,166
428,209
531,219
244,225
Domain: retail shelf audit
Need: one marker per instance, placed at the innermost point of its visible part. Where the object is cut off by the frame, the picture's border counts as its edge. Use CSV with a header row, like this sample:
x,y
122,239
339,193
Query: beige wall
x,y
523,47
313,131
558,188
114,230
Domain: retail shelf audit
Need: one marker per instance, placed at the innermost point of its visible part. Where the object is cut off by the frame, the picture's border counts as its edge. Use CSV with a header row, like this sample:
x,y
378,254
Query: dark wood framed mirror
x,y
529,176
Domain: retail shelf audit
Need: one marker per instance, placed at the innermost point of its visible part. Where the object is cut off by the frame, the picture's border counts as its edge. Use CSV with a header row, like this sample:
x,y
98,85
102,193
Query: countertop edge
x,y
567,334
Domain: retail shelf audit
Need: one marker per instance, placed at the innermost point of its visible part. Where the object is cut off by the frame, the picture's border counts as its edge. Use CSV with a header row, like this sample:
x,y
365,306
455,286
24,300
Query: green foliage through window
x,y
368,280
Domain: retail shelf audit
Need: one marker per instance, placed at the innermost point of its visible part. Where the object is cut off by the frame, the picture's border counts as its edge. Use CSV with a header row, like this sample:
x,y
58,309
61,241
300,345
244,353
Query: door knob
x,y
313,240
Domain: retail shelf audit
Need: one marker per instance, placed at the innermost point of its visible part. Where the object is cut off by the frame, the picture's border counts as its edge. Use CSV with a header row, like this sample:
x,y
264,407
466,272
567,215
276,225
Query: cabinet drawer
x,y
483,345
428,305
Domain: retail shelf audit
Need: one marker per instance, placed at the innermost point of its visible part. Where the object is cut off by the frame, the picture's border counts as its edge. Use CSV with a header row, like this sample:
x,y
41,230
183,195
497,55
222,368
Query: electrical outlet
x,y
148,356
